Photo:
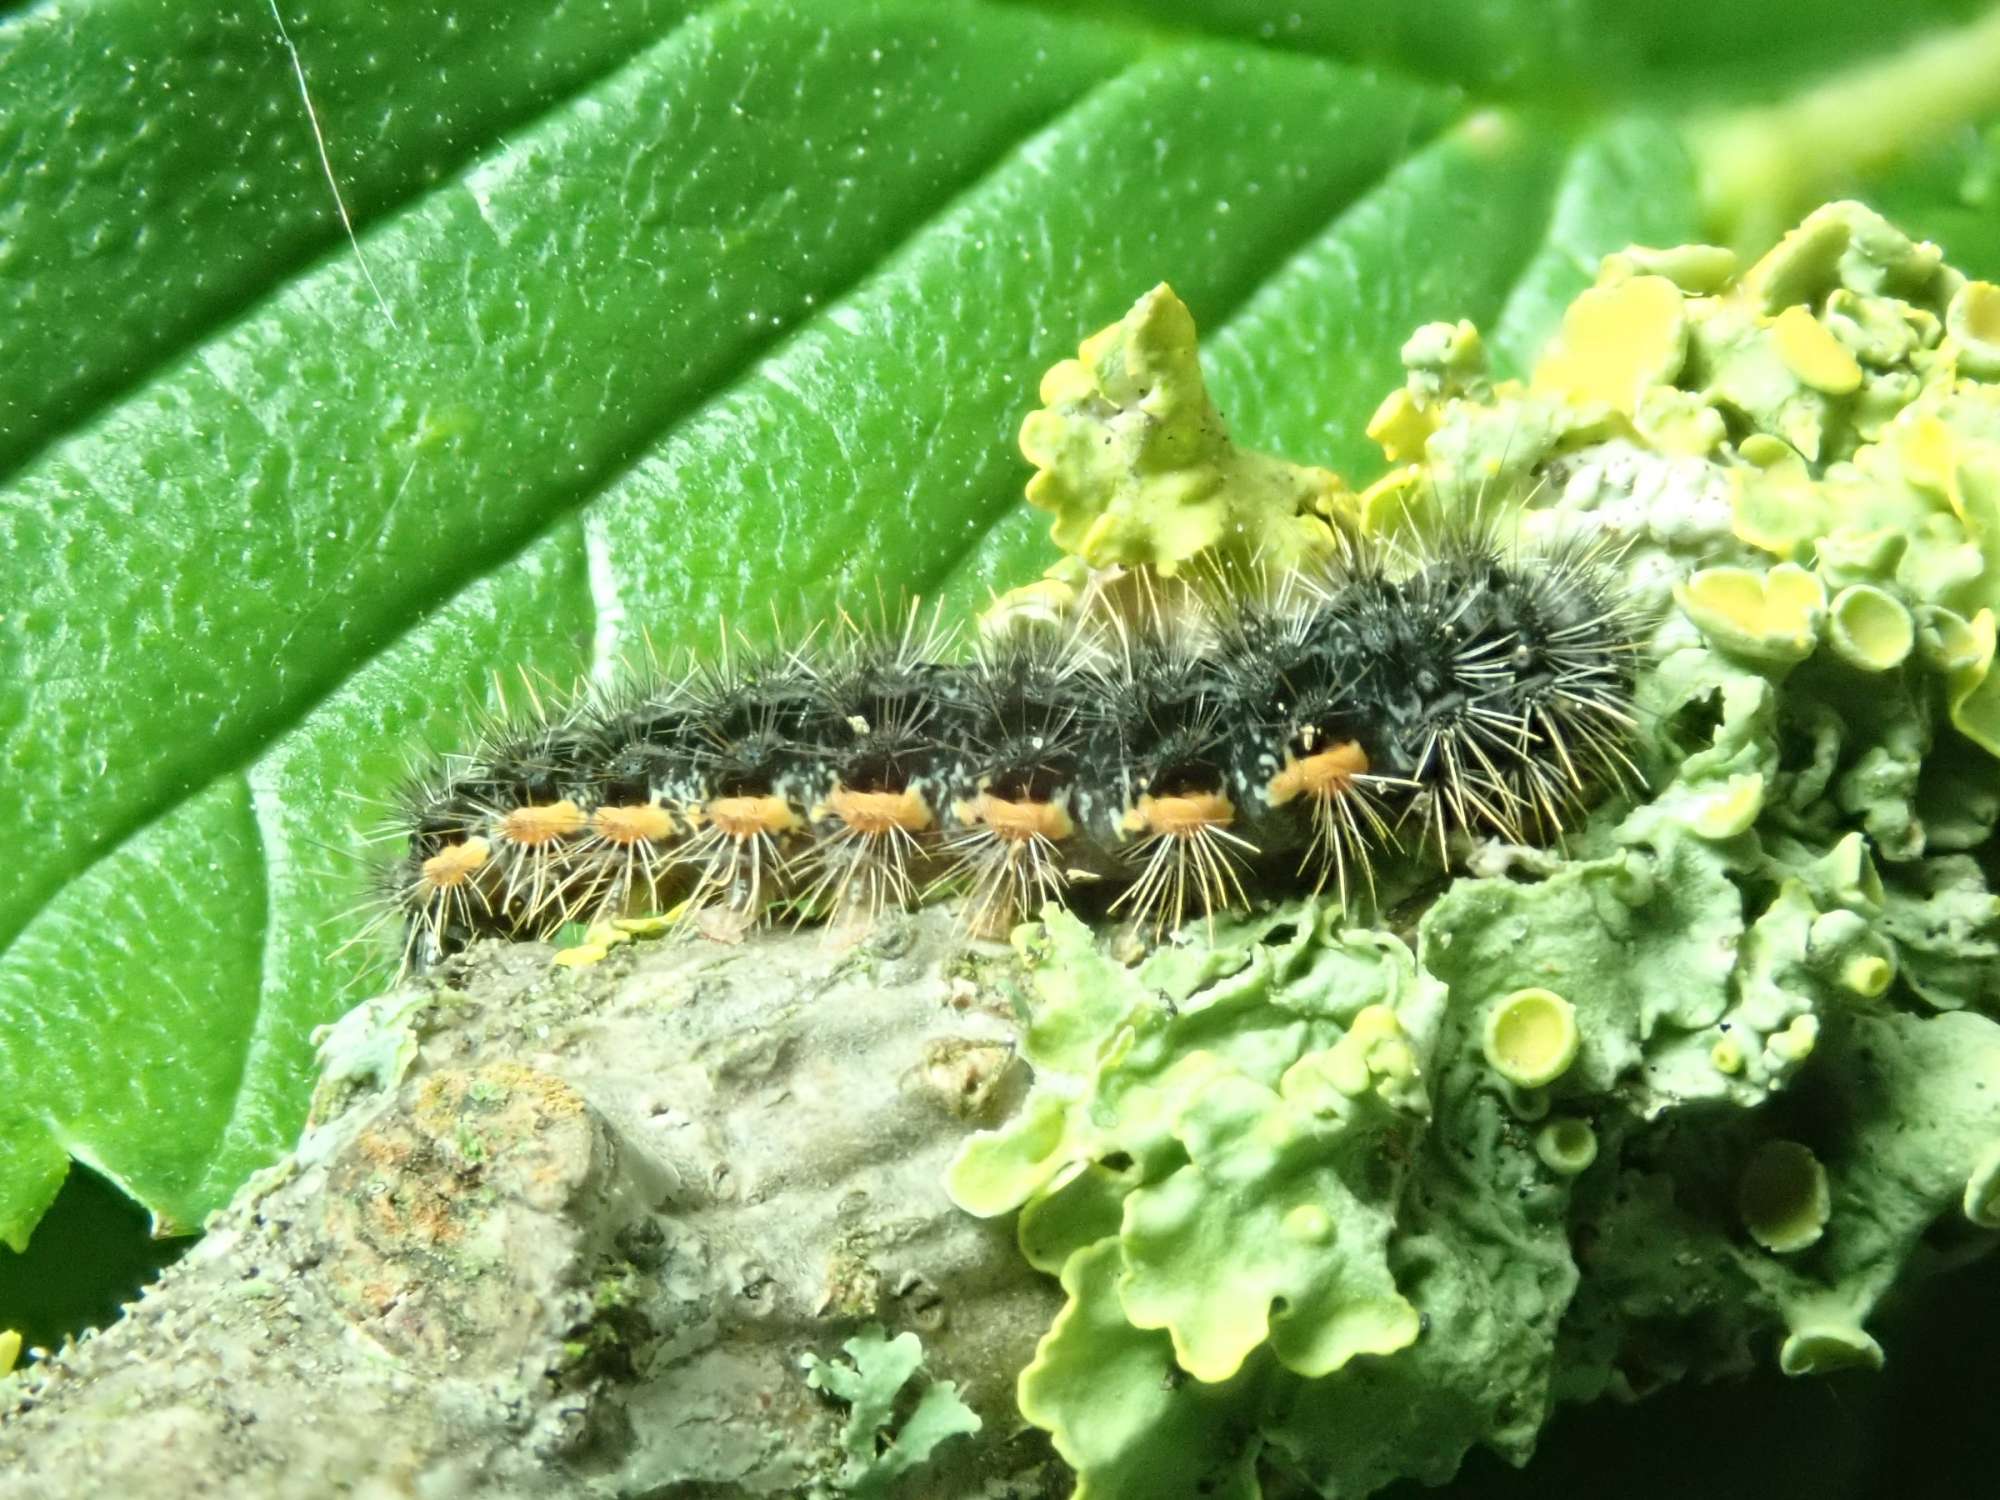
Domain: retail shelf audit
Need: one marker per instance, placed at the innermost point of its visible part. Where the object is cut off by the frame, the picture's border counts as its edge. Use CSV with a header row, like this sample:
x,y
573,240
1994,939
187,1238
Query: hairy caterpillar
x,y
1399,696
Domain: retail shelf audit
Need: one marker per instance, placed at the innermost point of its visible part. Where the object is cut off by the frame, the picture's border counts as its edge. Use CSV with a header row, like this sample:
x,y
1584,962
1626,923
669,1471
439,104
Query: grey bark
x,y
570,1232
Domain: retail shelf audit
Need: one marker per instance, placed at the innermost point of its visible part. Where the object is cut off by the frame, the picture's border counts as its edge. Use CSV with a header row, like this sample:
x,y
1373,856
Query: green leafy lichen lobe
x,y
896,1415
1338,1203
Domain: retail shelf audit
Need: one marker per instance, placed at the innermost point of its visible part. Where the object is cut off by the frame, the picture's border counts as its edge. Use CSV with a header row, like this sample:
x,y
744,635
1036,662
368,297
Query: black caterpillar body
x,y
1170,753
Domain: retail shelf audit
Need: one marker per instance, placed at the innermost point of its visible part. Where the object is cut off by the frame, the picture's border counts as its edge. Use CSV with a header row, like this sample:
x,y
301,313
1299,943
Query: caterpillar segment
x,y
626,851
883,701
1328,781
1169,811
487,850
448,899
1010,856
1178,750
1026,710
1304,766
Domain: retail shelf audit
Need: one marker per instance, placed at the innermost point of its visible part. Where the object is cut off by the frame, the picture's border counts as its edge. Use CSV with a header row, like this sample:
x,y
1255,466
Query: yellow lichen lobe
x,y
1770,616
1137,466
1973,320
1401,427
1616,341
582,956
1730,809
1702,270
1814,355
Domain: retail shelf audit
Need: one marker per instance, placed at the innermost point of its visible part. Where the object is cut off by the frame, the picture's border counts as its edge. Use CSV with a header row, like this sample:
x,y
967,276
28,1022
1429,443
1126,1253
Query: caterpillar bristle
x,y
1347,810
734,859
1188,864
1186,741
1008,870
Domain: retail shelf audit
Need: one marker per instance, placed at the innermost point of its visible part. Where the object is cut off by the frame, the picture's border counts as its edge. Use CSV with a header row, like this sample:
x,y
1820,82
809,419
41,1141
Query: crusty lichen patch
x,y
420,1204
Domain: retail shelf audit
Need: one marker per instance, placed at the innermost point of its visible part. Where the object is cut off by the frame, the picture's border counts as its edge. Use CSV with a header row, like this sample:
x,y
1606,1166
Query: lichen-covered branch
x,y
577,1232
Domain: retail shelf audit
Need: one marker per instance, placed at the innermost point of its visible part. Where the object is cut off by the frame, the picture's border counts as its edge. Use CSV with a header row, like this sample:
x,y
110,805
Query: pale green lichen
x,y
1566,1145
1782,1197
1313,1195
1122,1413
369,1048
1530,1037
887,1434
1258,1238
1982,1190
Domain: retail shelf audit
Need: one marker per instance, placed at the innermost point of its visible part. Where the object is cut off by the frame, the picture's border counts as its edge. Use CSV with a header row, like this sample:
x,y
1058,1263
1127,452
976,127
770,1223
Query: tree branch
x,y
572,1231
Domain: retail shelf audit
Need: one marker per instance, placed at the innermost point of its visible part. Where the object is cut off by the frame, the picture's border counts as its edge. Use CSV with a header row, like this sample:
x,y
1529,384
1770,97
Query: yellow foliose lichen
x,y
1137,466
1616,342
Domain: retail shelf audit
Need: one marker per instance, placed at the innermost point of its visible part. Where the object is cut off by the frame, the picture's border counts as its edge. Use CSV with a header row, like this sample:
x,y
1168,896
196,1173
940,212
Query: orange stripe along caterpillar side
x,y
1175,755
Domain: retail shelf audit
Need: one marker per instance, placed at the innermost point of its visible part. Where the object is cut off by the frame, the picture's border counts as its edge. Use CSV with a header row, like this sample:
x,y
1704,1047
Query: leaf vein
x,y
286,269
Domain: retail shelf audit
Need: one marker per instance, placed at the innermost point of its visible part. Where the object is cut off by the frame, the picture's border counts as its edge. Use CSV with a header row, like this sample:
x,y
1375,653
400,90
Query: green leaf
x,y
1949,193
654,318
161,175
1581,52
